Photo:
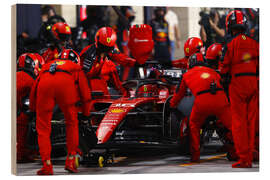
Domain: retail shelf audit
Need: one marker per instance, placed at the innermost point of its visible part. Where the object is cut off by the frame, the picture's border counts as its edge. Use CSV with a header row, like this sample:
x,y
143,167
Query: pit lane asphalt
x,y
145,161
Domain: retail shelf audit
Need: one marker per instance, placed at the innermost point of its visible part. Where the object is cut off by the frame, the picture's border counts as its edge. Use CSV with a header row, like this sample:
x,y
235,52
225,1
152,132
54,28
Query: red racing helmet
x,y
31,61
214,52
147,90
69,54
213,55
195,59
105,39
61,31
236,20
192,45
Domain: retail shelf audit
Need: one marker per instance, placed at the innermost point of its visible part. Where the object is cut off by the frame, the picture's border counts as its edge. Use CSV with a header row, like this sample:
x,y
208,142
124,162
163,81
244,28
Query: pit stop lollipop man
x,y
94,56
210,99
241,56
61,82
29,65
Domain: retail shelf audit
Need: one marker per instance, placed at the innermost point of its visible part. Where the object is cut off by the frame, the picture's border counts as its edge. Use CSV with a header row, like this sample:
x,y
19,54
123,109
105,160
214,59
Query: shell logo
x,y
117,110
246,57
60,62
200,44
109,40
205,75
244,37
187,50
56,55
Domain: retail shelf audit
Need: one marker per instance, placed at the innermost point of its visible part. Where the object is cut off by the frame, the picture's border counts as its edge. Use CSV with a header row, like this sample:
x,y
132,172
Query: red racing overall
x,y
241,62
51,54
65,86
198,80
24,83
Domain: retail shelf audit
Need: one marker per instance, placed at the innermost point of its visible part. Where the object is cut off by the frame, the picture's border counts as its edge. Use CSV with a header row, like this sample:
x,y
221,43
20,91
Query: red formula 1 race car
x,y
139,119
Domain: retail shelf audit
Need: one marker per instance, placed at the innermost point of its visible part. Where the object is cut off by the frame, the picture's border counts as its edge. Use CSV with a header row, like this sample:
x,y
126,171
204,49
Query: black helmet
x,y
196,59
236,20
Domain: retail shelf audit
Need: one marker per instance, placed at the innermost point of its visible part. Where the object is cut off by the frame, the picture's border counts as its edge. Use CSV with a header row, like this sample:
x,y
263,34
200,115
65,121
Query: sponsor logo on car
x,y
117,110
124,105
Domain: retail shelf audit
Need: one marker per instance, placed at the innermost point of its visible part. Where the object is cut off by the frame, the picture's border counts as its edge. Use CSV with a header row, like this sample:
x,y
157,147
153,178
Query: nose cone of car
x,y
103,134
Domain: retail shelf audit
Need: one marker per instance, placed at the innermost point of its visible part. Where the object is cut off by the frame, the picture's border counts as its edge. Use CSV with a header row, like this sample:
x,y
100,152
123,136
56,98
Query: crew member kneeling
x,y
210,99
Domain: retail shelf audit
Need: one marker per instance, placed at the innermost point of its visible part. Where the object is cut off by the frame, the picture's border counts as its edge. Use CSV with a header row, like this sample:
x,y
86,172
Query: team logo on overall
x,y
187,50
60,62
55,55
246,57
205,75
244,37
109,40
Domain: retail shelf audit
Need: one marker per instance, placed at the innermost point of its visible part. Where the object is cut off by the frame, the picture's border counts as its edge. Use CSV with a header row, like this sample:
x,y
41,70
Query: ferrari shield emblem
x,y
244,37
145,88
187,50
109,40
67,29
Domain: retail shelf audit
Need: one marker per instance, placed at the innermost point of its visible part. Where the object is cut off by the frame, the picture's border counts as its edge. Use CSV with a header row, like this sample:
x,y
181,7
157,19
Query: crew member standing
x,y
61,82
210,99
29,65
241,54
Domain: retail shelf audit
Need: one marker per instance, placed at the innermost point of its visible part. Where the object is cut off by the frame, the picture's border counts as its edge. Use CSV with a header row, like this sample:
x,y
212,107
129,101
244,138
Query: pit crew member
x,y
94,56
210,99
29,65
61,82
61,33
241,54
191,46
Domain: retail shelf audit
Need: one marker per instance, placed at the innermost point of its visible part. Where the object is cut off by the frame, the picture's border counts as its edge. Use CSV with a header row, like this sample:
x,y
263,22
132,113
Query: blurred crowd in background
x,y
167,33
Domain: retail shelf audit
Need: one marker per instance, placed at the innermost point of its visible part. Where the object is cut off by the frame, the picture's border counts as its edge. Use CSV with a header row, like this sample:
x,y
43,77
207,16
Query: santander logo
x,y
140,40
